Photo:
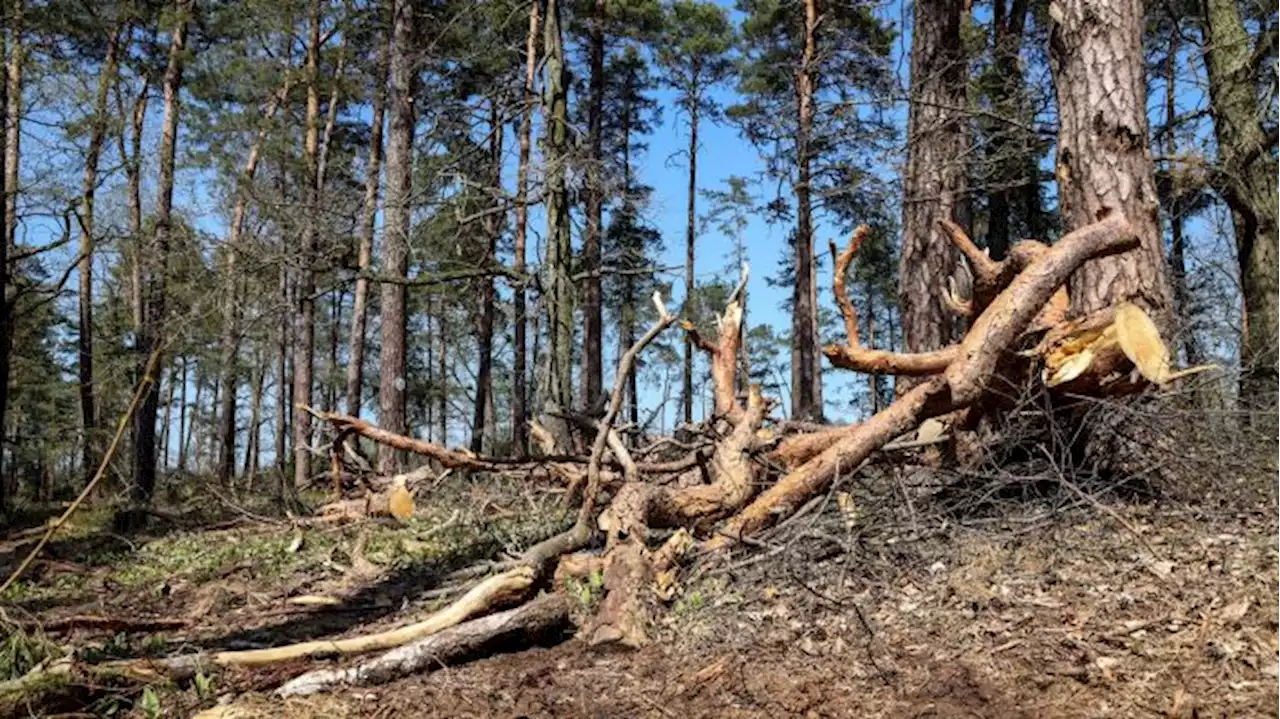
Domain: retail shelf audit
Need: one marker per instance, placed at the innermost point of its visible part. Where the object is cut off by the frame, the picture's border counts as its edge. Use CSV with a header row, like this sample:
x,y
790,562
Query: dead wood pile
x,y
707,490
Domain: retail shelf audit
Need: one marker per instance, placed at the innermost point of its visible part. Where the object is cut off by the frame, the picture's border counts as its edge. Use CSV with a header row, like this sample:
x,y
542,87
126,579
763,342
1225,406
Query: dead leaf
x,y
296,544
400,502
1236,611
930,430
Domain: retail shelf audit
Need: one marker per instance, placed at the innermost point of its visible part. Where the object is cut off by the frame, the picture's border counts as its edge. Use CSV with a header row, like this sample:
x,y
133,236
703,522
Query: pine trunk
x,y
558,297
395,245
592,323
1249,186
484,329
519,369
97,135
157,265
304,336
805,377
935,179
1104,162
690,236
368,221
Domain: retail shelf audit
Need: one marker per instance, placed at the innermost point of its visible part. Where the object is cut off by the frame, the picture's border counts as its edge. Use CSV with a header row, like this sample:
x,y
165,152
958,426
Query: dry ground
x,y
1029,613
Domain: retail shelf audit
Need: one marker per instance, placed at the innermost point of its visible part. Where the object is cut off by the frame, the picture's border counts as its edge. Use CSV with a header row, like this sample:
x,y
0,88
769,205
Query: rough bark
x,y
6,329
806,378
304,319
592,323
934,182
558,290
482,416
368,221
1008,164
84,340
152,336
13,116
519,367
395,244
1249,186
690,236
1104,161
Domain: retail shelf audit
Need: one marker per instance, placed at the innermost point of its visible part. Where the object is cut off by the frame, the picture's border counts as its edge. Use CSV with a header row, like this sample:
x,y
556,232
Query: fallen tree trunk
x,y
542,619
961,384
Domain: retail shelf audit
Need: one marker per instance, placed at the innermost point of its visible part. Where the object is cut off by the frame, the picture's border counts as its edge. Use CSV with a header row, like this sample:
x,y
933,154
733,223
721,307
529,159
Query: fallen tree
x,y
707,490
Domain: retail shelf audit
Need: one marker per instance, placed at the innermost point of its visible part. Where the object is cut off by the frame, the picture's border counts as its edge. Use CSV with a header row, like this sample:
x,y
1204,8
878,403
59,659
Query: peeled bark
x,y
395,244
157,264
934,183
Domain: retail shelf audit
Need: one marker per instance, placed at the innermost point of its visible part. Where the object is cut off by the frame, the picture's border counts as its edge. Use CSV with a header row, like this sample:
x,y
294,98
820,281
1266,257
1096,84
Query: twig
x,y
143,385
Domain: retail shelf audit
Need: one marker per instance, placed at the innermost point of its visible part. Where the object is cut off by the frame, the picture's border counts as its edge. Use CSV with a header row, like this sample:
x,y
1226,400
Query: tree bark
x,y
1007,25
935,176
519,369
6,330
282,380
806,379
592,323
1104,161
558,294
132,160
690,236
1249,186
368,221
98,131
13,117
482,419
253,444
395,245
157,265
304,321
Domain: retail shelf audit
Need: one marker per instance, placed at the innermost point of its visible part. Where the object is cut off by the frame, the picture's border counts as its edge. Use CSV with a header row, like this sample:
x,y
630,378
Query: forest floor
x,y
1043,609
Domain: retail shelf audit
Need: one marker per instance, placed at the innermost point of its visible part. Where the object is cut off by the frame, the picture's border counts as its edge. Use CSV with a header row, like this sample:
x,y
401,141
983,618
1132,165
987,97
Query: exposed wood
x,y
541,619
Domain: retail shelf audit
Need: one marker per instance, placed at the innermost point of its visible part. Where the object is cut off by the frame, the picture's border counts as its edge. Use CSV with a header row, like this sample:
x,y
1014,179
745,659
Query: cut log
x,y
539,621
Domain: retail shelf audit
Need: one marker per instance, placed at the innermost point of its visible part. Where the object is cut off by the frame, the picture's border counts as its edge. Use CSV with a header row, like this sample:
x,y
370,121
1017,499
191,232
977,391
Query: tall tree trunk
x,y
97,134
1249,186
935,176
592,322
282,380
805,379
1174,205
6,329
131,158
304,336
442,375
9,174
690,237
232,284
157,264
368,221
168,381
1007,26
395,245
558,294
1104,161
484,329
519,369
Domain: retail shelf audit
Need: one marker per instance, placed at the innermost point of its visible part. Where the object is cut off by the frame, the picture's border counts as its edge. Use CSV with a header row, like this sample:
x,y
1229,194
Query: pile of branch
x,y
1017,319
